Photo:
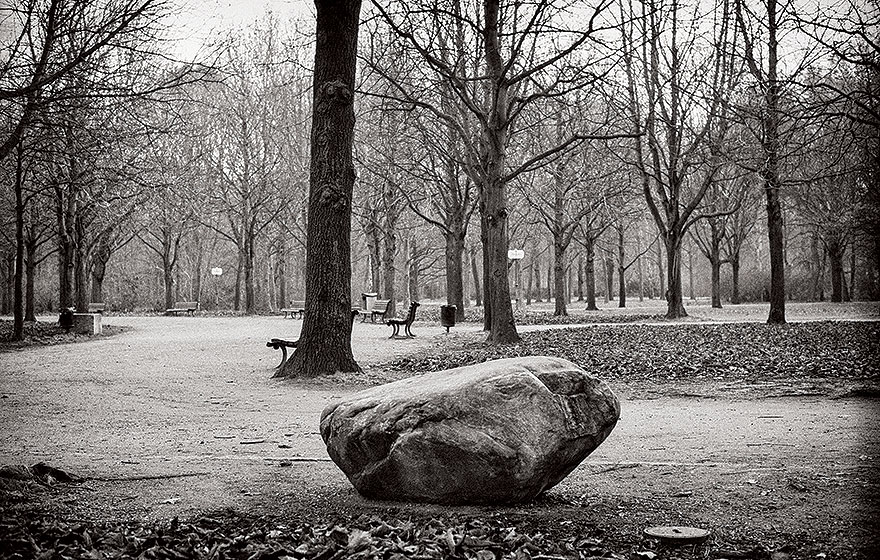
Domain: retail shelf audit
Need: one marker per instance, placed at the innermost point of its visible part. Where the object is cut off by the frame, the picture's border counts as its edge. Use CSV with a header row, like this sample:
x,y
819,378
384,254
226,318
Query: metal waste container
x,y
447,316
368,300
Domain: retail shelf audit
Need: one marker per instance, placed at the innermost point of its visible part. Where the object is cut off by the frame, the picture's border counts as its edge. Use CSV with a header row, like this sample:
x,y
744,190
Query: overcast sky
x,y
198,21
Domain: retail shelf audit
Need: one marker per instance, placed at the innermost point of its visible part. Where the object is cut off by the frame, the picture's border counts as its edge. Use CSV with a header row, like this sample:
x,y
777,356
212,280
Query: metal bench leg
x,y
283,356
409,332
396,330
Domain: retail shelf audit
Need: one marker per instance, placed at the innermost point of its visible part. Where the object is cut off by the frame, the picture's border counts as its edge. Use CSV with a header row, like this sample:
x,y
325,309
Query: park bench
x,y
183,307
283,345
380,309
97,308
406,323
297,308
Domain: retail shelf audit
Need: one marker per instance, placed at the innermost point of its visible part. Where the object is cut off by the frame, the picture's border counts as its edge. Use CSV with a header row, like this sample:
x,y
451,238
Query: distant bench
x,y
183,307
380,309
406,323
296,309
97,308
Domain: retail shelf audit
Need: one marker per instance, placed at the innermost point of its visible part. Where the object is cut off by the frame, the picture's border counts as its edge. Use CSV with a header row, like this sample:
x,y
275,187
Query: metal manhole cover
x,y
682,535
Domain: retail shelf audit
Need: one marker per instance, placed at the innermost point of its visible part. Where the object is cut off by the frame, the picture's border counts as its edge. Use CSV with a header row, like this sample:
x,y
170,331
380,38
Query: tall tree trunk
x,y
475,271
716,281
608,263
621,269
325,341
389,273
250,292
454,274
8,282
412,276
770,172
580,278
674,293
487,268
494,188
641,270
537,270
734,280
18,293
559,279
30,266
693,295
661,270
281,272
835,258
197,272
530,279
590,272
168,283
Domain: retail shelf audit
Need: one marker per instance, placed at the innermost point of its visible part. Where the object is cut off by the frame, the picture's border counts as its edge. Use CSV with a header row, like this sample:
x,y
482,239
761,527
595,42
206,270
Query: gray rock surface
x,y
497,432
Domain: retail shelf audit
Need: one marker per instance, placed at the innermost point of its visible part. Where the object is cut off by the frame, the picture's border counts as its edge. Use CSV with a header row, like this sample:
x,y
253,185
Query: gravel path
x,y
179,396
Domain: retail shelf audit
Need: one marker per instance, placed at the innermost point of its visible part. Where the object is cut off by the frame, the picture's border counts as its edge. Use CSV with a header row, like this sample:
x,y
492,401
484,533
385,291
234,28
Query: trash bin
x,y
447,316
65,319
368,300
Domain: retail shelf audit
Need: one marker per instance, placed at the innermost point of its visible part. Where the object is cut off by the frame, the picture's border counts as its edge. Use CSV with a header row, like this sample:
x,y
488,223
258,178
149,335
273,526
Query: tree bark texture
x,y
621,269
559,295
590,272
325,343
502,328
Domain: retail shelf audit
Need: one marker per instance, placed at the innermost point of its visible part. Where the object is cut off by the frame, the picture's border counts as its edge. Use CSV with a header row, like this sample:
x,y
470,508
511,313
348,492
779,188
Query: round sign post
x,y
516,255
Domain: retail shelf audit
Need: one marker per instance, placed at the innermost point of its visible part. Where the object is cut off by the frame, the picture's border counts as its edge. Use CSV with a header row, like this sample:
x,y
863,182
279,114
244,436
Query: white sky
x,y
196,22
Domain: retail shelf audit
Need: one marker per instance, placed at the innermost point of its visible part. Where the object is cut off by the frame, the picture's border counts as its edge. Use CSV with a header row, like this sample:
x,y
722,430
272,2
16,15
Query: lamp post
x,y
516,255
216,272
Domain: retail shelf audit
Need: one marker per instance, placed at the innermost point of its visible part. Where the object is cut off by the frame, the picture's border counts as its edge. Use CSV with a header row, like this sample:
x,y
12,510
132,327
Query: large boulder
x,y
497,432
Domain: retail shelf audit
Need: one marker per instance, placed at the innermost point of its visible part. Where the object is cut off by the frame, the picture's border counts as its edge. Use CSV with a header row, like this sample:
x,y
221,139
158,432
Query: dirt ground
x,y
178,416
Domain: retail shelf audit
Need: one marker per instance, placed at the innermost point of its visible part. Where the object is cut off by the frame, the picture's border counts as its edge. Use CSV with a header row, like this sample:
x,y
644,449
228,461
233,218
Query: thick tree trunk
x,y
325,341
559,295
590,273
239,272
168,283
494,189
65,269
412,276
389,273
716,281
835,260
674,293
580,278
454,273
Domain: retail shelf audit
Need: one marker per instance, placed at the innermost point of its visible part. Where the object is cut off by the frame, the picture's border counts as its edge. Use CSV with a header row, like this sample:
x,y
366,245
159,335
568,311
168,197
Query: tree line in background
x,y
626,147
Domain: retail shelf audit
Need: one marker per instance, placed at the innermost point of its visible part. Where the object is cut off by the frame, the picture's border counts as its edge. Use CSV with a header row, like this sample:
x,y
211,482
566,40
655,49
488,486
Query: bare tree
x,y
496,59
325,342
676,84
